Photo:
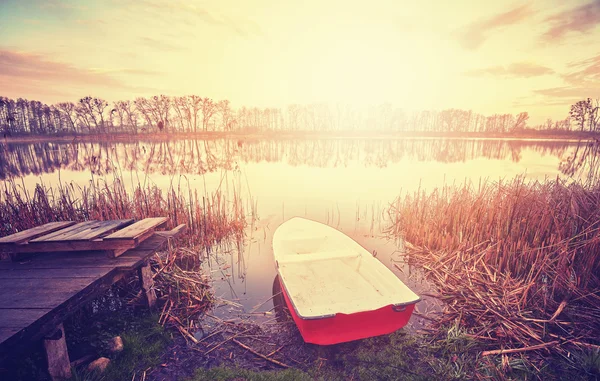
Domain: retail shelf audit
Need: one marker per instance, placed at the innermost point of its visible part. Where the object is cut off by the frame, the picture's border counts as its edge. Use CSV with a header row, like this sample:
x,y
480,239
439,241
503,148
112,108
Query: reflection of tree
x,y
201,156
584,162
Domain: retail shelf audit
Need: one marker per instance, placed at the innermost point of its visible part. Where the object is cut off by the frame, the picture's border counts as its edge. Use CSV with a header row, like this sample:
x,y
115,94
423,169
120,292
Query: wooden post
x,y
59,365
147,283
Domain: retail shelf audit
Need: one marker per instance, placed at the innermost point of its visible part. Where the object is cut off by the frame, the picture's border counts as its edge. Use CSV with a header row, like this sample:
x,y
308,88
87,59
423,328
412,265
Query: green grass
x,y
399,356
226,374
403,356
144,340
451,355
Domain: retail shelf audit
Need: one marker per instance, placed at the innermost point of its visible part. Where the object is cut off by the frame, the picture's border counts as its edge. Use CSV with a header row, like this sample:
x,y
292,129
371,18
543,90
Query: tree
x,y
521,122
130,114
194,103
225,113
86,112
583,111
208,110
160,107
68,112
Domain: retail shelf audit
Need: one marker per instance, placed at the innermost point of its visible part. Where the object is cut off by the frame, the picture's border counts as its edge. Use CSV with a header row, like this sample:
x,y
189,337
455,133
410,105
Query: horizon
x,y
506,58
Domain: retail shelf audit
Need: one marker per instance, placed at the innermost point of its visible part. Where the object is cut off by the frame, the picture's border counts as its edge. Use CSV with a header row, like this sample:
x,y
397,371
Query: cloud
x,y
184,13
573,92
581,82
542,103
585,72
128,71
160,44
31,90
517,70
179,12
30,66
33,74
472,36
579,19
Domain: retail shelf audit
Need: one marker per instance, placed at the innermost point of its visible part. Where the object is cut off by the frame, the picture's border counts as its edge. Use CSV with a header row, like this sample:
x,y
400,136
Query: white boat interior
x,y
325,272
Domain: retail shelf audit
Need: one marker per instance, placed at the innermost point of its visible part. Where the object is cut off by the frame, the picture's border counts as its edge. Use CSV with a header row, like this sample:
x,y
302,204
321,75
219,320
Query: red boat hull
x,y
342,328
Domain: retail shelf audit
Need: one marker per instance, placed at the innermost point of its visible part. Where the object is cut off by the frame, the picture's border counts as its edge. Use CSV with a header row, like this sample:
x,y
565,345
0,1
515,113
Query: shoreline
x,y
217,135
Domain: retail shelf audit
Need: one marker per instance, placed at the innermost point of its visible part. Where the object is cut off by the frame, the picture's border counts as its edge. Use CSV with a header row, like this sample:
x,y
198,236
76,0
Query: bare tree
x,y
68,111
521,121
208,110
226,115
585,111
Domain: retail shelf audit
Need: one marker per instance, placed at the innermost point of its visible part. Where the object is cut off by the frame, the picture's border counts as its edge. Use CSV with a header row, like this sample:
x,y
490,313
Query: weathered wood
x,y
40,293
19,339
128,244
32,233
52,246
138,229
27,272
84,231
147,284
32,304
8,332
59,365
80,226
75,260
173,232
20,317
164,234
99,229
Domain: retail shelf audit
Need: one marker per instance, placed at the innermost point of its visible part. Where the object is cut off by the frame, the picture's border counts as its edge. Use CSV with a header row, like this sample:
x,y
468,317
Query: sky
x,y
491,57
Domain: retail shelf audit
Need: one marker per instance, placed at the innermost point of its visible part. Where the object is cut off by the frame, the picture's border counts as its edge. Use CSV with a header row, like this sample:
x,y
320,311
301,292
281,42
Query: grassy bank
x,y
183,292
517,262
144,340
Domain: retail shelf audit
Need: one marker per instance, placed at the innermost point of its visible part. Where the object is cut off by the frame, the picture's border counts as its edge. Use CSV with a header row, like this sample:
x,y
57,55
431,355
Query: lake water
x,y
345,183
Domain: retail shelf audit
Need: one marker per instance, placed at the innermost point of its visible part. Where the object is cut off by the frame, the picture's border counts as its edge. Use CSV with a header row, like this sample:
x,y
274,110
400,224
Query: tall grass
x,y
518,261
182,289
210,218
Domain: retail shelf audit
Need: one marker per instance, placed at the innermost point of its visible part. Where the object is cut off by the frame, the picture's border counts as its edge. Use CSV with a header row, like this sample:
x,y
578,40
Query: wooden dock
x,y
66,265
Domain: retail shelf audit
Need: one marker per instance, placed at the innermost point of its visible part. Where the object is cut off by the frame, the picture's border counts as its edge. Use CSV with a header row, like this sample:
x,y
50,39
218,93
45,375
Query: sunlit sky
x,y
499,56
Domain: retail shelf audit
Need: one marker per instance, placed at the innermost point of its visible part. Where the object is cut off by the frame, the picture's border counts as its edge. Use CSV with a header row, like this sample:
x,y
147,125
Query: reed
x,y
182,288
210,218
517,261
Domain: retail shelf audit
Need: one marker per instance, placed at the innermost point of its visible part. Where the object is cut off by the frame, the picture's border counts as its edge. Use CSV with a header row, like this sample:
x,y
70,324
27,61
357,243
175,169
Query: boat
x,y
335,290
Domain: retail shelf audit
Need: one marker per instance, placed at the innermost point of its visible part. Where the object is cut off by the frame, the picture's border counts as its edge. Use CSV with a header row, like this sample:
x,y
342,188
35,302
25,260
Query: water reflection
x,y
281,311
583,162
202,156
244,272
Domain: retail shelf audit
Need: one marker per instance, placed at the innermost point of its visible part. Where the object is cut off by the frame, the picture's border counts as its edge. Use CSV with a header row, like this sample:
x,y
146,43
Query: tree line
x,y
192,114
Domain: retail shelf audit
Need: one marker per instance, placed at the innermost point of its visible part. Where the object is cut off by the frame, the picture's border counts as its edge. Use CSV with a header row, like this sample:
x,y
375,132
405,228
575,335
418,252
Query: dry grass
x,y
182,288
210,218
517,262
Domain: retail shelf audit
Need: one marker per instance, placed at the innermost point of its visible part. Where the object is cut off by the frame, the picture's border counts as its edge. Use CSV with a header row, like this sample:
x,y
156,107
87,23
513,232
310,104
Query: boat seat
x,y
320,256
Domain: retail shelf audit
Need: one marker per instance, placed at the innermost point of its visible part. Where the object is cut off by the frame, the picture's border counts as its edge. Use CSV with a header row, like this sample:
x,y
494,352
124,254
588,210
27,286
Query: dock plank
x,y
88,245
32,233
71,280
20,317
137,229
64,232
7,333
73,260
84,231
27,272
35,293
99,229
